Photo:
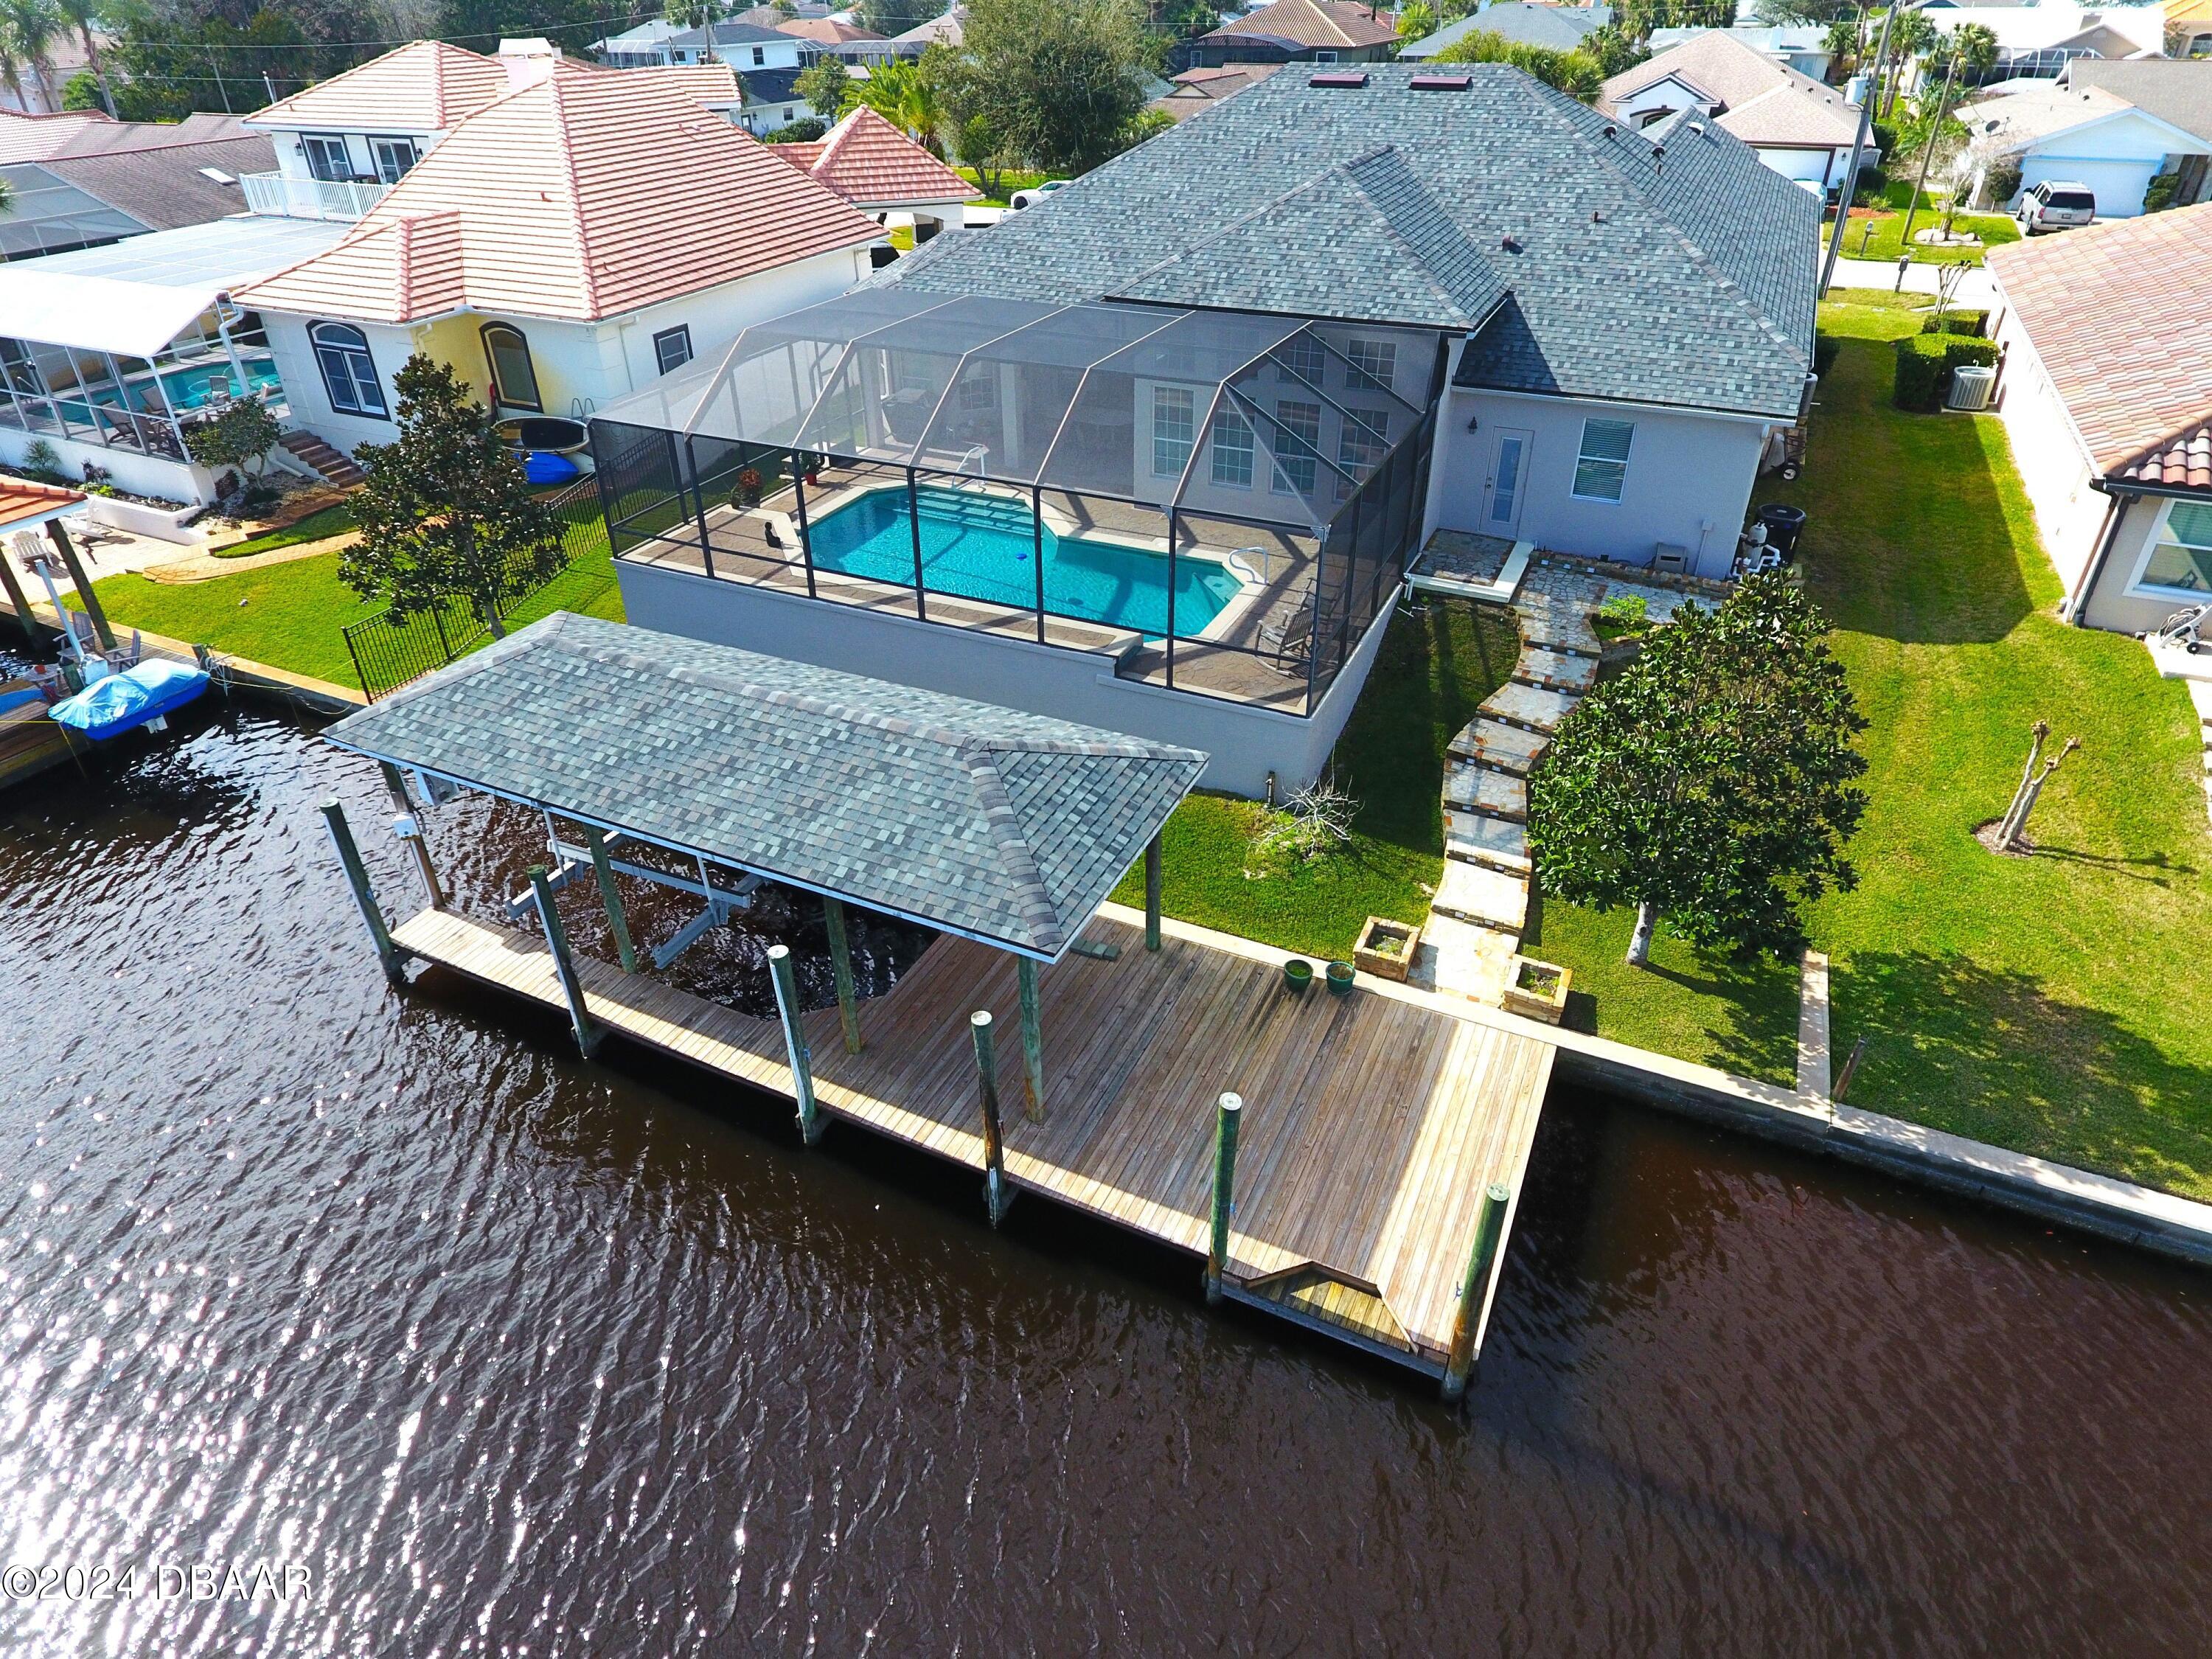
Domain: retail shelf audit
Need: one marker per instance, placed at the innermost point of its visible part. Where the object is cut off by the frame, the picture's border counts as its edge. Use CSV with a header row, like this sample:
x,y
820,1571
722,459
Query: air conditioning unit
x,y
1970,386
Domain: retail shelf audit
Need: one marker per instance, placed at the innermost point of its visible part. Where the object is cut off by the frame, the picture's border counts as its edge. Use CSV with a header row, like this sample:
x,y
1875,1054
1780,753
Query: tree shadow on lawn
x,y
1990,1053
1907,535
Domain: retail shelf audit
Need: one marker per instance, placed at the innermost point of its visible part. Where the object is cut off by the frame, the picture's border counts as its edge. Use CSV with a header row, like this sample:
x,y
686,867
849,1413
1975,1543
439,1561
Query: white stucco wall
x,y
2116,603
1665,93
2054,467
2115,158
142,474
1244,743
593,363
1824,168
1689,480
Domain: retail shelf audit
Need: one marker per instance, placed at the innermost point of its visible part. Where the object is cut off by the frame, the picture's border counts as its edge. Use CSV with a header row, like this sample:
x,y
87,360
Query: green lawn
x,y
2057,1005
292,616
1882,237
333,520
1430,675
1008,184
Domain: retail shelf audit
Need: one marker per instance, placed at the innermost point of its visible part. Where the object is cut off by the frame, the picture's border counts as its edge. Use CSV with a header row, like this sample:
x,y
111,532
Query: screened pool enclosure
x,y
1215,502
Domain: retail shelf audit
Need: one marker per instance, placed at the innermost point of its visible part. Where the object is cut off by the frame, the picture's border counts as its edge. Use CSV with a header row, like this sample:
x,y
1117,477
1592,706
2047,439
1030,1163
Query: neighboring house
x,y
948,29
1201,88
79,180
742,46
881,170
2190,22
824,37
1555,28
1282,344
1804,131
2108,403
1301,32
2039,40
639,48
64,59
2176,92
2084,135
1800,46
525,248
110,352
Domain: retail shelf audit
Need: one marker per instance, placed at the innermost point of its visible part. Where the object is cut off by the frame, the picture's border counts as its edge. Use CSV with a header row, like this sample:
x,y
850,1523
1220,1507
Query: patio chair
x,y
1286,642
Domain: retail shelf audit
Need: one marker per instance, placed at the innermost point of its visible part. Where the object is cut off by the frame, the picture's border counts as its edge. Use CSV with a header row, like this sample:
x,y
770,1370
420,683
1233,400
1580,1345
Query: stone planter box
x,y
1537,990
162,524
1385,948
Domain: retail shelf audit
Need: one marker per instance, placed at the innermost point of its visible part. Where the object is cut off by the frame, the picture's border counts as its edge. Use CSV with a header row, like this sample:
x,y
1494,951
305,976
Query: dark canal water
x,y
513,1355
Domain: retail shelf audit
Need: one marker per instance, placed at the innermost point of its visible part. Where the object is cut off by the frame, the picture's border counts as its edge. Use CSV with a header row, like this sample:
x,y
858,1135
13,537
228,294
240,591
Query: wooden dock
x,y
1372,1123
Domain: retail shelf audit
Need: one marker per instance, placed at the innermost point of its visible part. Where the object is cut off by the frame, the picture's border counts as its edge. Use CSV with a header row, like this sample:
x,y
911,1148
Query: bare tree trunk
x,y
2019,837
99,70
2006,825
1639,942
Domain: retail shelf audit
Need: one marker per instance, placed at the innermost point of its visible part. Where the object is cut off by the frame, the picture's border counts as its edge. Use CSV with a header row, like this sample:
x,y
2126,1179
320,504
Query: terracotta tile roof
x,y
866,159
715,85
2185,464
2116,311
823,32
1313,23
556,202
21,499
425,86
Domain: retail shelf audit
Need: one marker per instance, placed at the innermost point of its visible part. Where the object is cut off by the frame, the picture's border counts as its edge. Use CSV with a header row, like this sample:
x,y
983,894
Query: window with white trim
x,y
393,156
1374,365
1300,358
2180,559
1298,452
1175,430
1232,449
672,346
1602,464
328,159
348,372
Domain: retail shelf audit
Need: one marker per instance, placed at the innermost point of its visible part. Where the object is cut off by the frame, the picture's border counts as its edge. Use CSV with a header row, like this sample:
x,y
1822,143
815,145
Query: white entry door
x,y
1502,489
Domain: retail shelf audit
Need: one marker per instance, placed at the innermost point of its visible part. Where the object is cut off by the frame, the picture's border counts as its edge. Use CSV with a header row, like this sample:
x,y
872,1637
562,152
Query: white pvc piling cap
x,y
1232,1103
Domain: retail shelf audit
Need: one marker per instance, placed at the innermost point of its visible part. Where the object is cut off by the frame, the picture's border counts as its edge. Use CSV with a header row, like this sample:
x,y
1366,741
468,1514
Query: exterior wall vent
x,y
1339,78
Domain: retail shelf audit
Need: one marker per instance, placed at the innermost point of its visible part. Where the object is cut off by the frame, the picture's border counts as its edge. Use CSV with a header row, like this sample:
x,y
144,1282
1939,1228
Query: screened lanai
x,y
1218,501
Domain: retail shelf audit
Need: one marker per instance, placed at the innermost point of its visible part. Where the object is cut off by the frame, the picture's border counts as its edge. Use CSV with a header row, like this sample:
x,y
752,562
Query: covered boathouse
x,y
1348,1163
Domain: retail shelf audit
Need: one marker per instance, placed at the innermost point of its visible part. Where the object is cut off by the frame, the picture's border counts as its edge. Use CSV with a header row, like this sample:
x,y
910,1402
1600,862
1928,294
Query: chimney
x,y
527,62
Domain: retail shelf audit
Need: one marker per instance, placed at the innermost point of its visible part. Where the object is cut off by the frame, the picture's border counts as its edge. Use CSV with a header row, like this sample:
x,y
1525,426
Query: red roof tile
x,y
2184,463
866,159
21,499
2115,312
425,86
592,193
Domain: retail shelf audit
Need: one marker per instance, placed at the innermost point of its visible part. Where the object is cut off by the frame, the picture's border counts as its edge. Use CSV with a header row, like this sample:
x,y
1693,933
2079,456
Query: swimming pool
x,y
980,547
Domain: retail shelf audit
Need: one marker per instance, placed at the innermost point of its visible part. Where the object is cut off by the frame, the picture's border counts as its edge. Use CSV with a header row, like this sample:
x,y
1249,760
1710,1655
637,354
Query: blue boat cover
x,y
545,467
121,702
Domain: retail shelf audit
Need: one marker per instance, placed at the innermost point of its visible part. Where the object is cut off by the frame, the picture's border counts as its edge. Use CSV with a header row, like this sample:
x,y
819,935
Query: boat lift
x,y
571,861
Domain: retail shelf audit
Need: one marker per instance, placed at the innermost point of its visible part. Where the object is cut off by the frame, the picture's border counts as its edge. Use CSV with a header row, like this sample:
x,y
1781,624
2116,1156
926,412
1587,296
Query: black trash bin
x,y
1783,525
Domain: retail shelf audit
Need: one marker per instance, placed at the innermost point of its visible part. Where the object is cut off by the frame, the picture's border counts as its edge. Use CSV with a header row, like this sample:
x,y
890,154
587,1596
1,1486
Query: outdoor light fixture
x,y
1473,421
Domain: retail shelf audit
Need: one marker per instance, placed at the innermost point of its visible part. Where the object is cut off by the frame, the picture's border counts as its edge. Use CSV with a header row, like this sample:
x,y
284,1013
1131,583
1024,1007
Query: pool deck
x,y
1372,1122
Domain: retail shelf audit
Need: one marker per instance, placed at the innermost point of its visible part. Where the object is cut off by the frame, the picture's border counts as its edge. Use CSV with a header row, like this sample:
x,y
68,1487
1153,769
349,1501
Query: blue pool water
x,y
980,547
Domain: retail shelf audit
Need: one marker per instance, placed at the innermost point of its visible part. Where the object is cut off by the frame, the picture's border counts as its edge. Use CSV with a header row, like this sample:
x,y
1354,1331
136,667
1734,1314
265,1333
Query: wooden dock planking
x,y
1372,1122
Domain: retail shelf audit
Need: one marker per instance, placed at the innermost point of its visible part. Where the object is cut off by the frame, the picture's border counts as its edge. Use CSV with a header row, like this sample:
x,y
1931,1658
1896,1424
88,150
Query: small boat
x,y
145,694
31,740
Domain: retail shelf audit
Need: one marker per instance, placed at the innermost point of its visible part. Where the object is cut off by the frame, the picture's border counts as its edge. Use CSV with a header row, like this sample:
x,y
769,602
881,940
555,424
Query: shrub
x,y
1957,322
1873,183
1823,354
1884,134
43,462
1964,351
2158,195
1922,360
2002,183
804,131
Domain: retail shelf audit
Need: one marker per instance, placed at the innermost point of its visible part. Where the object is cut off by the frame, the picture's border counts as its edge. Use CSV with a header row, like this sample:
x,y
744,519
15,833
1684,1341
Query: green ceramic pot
x,y
1340,978
1297,973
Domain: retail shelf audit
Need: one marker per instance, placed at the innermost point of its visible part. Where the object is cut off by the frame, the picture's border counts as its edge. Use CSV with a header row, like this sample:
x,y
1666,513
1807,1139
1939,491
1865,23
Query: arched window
x,y
348,372
2200,46
513,381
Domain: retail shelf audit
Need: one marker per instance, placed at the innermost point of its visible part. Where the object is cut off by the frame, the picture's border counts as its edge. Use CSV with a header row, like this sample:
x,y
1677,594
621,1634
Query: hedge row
x,y
1924,362
1958,322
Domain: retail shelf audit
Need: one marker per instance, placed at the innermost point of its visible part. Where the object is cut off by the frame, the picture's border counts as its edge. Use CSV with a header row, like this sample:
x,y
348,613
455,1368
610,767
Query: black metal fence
x,y
388,653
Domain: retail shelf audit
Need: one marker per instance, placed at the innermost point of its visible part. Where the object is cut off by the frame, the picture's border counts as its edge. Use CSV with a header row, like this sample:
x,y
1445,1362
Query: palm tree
x,y
80,14
31,27
897,90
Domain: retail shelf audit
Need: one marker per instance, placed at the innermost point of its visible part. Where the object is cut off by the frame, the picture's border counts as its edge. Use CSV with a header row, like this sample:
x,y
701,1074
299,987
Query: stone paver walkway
x,y
1481,904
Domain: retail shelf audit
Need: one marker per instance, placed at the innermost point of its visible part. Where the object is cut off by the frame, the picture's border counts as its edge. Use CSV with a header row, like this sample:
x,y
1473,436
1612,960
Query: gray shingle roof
x,y
1003,825
1554,27
1686,279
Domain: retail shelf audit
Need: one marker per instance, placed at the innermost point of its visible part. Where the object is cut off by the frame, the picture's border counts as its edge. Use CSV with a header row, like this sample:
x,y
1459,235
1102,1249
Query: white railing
x,y
309,198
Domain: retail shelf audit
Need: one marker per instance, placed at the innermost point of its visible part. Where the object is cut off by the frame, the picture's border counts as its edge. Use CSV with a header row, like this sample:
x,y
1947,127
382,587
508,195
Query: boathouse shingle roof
x,y
1004,826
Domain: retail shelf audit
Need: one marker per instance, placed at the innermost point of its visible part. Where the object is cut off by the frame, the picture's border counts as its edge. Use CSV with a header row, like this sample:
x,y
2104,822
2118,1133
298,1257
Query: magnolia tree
x,y
445,511
1711,784
240,436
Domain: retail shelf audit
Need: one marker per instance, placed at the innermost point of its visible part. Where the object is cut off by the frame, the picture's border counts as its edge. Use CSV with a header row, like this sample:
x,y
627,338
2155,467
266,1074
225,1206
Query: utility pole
x,y
1858,151
1928,152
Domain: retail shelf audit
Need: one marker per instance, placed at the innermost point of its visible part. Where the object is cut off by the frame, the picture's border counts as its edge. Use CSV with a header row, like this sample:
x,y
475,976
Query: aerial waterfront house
x,y
1156,454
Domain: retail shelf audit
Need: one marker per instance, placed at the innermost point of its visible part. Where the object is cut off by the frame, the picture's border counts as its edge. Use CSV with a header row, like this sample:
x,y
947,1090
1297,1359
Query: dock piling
x,y
564,968
996,1198
1489,1228
1025,976
610,897
62,545
1152,894
840,970
794,1041
357,873
1225,1117
409,828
